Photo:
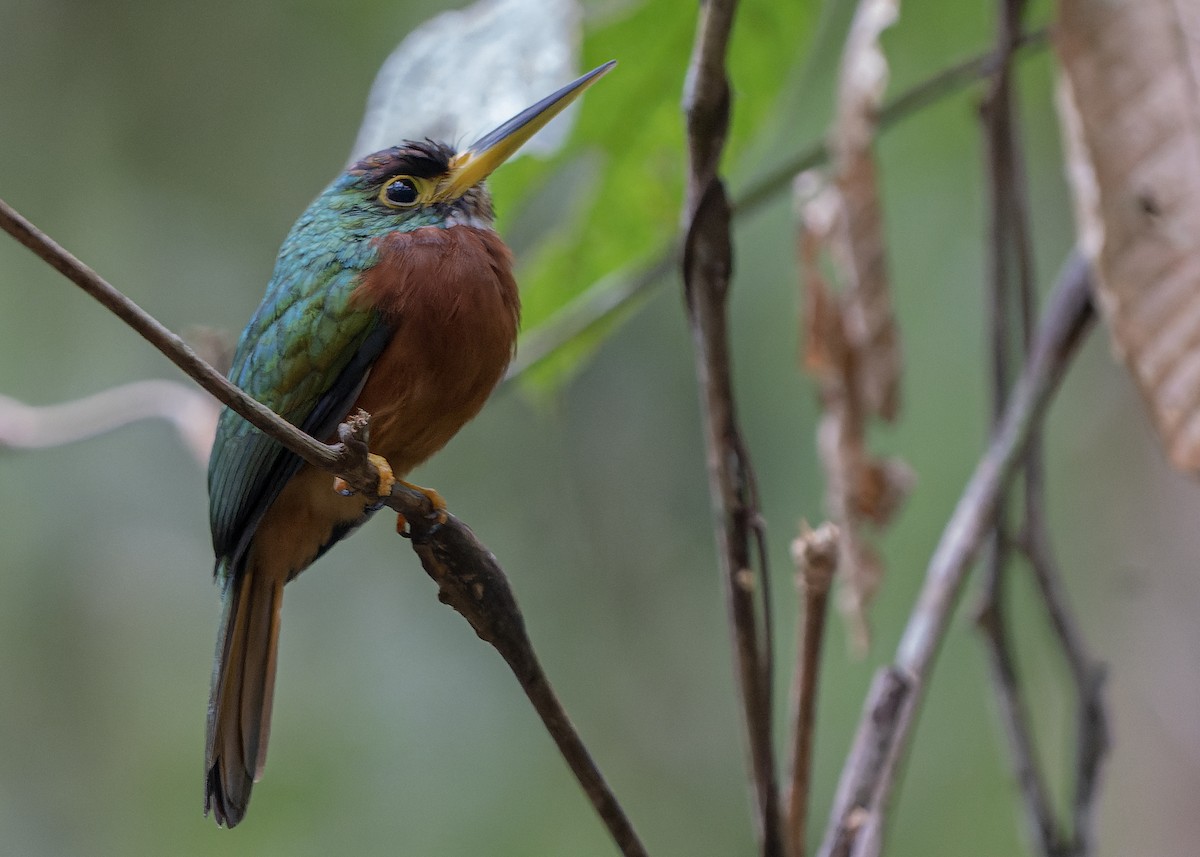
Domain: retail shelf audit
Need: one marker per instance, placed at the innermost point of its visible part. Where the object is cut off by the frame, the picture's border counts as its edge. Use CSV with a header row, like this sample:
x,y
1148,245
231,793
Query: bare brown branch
x,y
178,351
815,554
707,264
468,577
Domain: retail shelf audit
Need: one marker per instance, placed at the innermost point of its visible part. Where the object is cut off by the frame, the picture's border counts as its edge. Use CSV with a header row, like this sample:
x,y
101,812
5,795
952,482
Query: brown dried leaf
x,y
859,251
1130,107
823,340
861,489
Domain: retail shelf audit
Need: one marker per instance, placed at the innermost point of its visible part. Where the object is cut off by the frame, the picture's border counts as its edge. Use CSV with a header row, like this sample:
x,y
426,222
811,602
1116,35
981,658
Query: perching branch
x,y
467,574
857,821
707,264
604,299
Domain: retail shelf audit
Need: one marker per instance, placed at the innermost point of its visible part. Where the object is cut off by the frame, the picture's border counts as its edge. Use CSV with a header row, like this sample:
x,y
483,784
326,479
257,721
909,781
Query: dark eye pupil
x,y
402,192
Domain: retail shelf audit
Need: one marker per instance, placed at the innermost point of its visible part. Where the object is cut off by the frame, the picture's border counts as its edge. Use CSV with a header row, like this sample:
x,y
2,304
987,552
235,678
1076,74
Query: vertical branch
x,y
1012,265
815,553
1010,291
707,263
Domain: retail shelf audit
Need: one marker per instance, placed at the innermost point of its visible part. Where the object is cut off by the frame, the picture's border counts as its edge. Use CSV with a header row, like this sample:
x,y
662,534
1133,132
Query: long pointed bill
x,y
474,165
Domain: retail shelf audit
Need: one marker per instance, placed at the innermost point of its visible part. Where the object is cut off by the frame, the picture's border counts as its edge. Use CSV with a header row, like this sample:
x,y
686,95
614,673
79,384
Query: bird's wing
x,y
305,354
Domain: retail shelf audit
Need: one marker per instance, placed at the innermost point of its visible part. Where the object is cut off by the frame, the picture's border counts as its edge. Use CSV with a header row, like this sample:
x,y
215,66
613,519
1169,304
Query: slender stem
x,y
1015,718
707,264
1011,275
468,576
858,817
1091,729
1012,264
815,554
948,81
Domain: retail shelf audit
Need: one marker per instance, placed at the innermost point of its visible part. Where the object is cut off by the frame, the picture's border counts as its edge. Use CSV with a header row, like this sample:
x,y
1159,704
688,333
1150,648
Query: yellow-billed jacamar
x,y
393,294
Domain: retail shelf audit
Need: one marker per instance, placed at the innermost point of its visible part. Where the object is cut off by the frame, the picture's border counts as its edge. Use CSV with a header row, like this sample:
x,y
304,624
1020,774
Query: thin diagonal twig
x,y
858,818
468,576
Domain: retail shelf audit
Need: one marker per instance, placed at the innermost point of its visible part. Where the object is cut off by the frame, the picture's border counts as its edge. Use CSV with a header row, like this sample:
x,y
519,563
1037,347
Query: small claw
x,y
434,498
405,531
382,489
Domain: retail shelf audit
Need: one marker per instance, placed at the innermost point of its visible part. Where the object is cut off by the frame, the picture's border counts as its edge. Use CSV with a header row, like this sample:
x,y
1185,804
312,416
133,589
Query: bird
x,y
392,294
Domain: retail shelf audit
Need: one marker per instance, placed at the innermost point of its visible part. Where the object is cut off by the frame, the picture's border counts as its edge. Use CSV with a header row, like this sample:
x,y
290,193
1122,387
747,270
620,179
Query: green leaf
x,y
611,199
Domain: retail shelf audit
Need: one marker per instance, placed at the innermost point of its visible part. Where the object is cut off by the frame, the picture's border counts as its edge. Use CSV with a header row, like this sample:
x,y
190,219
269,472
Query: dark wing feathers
x,y
306,356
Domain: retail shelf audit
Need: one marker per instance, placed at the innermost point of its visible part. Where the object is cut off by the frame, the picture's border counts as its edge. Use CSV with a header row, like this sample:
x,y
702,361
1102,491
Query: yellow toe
x,y
386,477
435,500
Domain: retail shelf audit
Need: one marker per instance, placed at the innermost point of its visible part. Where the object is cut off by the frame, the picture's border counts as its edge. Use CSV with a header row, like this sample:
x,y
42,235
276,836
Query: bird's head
x,y
430,184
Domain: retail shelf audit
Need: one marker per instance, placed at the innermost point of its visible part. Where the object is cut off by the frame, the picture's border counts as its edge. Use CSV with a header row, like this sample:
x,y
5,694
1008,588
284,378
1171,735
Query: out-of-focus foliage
x,y
171,145
612,197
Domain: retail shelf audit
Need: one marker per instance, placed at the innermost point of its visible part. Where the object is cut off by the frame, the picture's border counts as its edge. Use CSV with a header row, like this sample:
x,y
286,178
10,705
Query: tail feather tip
x,y
227,808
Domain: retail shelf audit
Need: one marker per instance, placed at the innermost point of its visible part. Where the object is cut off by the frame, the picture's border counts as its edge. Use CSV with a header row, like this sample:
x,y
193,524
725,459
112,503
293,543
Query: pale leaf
x,y
1130,105
462,73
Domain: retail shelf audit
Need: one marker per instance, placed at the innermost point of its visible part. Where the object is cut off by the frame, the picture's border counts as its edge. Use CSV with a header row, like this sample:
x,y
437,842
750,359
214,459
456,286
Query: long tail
x,y
239,707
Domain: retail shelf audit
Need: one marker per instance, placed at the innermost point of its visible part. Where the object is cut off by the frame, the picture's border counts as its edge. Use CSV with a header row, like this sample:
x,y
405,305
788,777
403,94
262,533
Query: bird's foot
x,y
439,515
386,478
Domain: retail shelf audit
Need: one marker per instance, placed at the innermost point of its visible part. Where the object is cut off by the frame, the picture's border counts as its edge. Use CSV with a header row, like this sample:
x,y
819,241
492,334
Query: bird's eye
x,y
400,192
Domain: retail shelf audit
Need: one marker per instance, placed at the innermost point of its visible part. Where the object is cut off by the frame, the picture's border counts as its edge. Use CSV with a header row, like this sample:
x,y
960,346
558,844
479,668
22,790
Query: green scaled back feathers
x,y
309,348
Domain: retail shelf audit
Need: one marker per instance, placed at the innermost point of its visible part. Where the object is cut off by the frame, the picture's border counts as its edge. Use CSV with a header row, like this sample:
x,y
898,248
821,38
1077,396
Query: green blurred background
x,y
171,145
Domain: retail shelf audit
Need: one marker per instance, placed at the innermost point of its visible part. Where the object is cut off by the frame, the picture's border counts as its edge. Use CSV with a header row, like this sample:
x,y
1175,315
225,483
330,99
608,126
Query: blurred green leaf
x,y
613,195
